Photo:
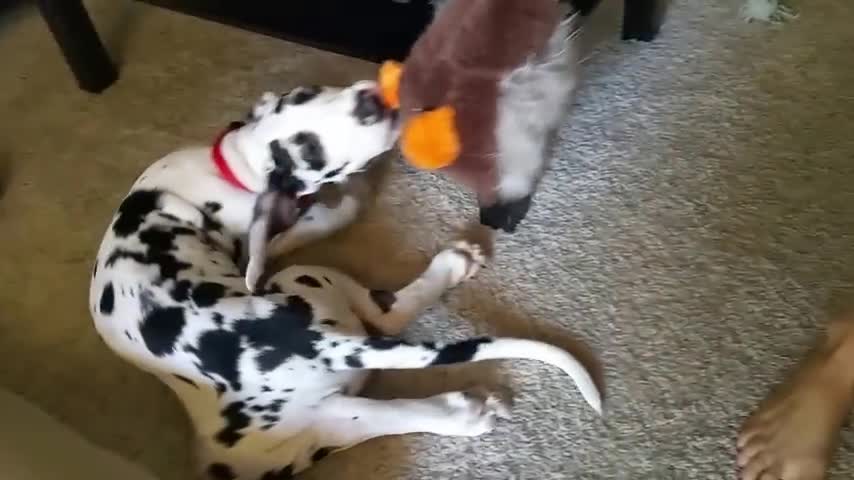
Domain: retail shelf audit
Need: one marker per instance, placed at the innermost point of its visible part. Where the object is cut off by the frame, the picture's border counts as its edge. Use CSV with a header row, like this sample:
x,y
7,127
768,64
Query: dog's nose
x,y
369,106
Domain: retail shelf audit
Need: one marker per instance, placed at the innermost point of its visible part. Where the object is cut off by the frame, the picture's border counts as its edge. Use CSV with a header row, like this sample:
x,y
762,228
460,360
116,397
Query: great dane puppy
x,y
270,372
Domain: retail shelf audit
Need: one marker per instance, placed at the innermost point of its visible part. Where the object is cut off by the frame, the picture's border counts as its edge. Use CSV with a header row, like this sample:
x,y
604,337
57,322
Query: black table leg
x,y
79,42
642,19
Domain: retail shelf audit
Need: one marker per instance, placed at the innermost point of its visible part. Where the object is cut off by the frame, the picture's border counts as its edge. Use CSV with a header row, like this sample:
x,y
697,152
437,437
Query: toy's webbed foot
x,y
505,215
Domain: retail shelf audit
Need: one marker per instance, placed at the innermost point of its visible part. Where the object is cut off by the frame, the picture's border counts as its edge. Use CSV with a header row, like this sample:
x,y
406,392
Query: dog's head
x,y
314,135
303,139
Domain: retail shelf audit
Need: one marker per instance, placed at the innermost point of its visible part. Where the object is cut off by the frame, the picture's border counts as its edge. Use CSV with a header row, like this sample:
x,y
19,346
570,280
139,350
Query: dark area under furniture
x,y
373,30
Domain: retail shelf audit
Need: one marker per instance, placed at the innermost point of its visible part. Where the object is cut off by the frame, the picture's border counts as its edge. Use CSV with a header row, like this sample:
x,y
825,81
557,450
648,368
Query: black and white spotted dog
x,y
270,373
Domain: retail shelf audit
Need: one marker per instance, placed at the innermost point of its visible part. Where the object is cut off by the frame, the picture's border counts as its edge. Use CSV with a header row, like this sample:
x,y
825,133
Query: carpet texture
x,y
694,233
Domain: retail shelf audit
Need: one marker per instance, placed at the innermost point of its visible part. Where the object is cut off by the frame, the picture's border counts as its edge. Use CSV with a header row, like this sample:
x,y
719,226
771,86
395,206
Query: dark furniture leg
x,y
585,7
78,40
374,30
642,19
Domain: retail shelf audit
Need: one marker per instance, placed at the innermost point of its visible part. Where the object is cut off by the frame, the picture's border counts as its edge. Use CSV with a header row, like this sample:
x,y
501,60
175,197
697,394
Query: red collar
x,y
221,164
227,173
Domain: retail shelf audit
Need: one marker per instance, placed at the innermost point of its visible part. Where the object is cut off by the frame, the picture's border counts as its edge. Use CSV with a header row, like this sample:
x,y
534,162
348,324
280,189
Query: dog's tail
x,y
393,353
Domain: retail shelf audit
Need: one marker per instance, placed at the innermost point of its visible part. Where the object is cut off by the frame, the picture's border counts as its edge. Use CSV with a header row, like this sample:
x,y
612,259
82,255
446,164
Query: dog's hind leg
x,y
390,312
343,421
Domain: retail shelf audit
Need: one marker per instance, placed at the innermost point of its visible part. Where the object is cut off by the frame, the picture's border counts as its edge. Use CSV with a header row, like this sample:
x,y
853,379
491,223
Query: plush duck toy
x,y
482,92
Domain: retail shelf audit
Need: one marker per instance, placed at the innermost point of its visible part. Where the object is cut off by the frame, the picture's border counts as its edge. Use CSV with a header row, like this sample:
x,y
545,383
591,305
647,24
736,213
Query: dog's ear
x,y
275,211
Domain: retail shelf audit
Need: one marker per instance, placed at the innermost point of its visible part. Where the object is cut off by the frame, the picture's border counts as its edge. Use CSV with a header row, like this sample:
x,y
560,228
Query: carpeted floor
x,y
694,232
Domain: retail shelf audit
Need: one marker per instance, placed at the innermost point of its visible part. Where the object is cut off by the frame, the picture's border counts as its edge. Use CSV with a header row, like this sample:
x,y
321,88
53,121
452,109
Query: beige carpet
x,y
693,233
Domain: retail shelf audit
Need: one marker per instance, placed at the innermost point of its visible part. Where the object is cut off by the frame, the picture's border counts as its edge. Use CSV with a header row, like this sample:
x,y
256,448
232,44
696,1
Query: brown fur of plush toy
x,y
460,60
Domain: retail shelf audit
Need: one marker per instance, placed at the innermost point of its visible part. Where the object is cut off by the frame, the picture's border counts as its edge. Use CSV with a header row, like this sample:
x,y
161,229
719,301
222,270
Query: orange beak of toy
x,y
429,139
390,73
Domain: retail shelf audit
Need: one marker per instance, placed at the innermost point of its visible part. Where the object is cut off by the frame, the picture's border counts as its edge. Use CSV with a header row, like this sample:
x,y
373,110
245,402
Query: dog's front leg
x,y
344,421
391,312
319,221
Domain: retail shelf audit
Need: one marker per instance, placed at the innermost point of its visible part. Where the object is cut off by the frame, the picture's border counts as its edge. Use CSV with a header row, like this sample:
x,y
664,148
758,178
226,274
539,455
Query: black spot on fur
x,y
280,104
237,251
311,150
169,217
210,224
267,426
167,263
384,299
460,351
383,343
353,361
274,288
328,280
181,291
283,334
258,408
127,334
158,239
320,454
281,157
329,322
213,207
333,173
276,406
288,390
369,108
266,389
235,420
286,473
108,299
217,319
326,362
270,418
185,380
221,471
160,329
308,281
206,294
301,95
133,210
218,352
183,231
355,418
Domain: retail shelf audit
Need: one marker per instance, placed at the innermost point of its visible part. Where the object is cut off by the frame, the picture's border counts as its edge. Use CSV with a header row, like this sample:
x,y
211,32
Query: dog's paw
x,y
462,261
472,413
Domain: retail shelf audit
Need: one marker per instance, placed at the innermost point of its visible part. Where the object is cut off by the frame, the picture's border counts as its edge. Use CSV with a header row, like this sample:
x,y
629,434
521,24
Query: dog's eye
x,y
311,151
